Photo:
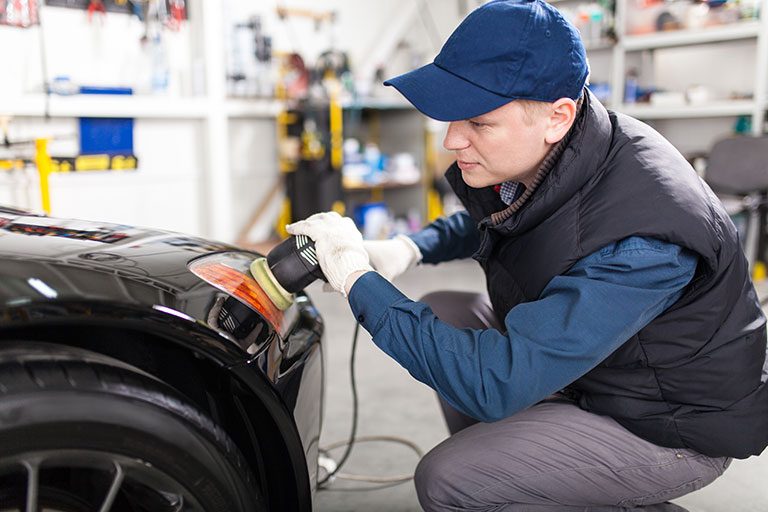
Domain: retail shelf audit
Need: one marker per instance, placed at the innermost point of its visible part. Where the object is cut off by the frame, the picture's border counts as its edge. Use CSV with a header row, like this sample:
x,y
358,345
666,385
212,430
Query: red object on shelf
x,y
178,13
19,13
96,6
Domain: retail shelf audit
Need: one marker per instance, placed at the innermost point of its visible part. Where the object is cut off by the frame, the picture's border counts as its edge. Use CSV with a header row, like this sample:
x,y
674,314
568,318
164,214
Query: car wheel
x,y
80,432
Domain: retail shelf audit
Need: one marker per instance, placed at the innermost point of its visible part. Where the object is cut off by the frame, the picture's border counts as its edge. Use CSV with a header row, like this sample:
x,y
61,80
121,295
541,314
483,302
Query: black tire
x,y
71,413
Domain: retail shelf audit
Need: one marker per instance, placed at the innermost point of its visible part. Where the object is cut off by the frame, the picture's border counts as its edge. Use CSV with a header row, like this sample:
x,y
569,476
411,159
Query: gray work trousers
x,y
553,456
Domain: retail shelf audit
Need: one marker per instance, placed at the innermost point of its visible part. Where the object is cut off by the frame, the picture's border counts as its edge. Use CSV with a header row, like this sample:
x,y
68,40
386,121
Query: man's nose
x,y
455,140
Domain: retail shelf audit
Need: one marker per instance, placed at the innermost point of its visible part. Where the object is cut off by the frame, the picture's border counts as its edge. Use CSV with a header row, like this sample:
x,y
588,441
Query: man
x,y
618,360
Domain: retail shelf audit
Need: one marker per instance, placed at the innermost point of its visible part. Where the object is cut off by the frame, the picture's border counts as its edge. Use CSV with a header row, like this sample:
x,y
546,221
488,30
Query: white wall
x,y
104,52
359,28
254,173
165,191
170,188
726,67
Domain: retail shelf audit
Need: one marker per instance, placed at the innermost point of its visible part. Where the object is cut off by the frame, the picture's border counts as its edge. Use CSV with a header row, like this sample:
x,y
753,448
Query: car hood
x,y
48,258
139,252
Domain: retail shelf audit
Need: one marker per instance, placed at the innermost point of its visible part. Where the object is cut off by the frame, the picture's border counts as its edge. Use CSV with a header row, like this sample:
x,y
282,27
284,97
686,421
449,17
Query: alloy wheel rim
x,y
34,483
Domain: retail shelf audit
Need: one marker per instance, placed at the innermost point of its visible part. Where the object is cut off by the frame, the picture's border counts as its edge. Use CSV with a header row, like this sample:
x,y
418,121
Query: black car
x,y
143,370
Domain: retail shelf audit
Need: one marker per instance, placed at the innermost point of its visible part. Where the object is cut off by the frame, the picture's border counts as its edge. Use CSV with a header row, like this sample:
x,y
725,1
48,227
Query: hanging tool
x,y
19,13
317,16
177,14
96,6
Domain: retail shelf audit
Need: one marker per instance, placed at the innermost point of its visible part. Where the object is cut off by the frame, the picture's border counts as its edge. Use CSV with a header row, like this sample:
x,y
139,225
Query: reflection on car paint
x,y
107,237
195,244
248,329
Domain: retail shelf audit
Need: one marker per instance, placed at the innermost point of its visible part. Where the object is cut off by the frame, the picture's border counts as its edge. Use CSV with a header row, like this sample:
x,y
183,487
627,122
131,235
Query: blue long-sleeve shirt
x,y
579,319
448,238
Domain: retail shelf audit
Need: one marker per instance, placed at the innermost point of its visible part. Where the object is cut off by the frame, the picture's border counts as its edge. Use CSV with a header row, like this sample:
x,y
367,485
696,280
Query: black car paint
x,y
73,280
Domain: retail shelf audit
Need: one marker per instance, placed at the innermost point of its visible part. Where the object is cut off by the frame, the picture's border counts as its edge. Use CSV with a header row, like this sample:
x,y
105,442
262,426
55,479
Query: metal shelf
x,y
751,31
385,185
710,109
105,106
731,32
145,107
253,108
377,104
599,46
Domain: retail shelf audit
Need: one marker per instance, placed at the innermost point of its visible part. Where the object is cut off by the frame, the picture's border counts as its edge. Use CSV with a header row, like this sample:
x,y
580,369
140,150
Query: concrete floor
x,y
393,403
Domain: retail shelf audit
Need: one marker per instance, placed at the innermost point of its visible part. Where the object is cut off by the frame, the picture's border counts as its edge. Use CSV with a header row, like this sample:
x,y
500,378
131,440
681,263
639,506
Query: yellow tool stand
x,y
46,165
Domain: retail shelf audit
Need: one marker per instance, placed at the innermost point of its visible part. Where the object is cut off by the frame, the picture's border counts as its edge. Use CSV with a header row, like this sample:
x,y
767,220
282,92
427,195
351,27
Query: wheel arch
x,y
210,374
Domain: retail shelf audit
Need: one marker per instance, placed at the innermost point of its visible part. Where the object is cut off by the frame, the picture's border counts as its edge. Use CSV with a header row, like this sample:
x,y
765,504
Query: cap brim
x,y
444,96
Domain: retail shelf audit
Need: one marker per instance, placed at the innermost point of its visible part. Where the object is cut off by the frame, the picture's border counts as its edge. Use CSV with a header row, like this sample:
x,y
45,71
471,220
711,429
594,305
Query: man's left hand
x,y
339,247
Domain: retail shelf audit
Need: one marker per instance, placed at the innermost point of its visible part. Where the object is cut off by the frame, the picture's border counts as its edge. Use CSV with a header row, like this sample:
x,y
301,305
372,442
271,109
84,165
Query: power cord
x,y
353,431
387,481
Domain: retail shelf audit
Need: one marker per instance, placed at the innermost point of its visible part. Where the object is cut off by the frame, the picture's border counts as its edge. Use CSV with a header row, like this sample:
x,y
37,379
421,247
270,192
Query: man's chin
x,y
474,181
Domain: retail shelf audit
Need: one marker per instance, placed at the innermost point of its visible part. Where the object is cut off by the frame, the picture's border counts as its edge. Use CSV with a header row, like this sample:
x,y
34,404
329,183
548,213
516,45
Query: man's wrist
x,y
416,255
352,279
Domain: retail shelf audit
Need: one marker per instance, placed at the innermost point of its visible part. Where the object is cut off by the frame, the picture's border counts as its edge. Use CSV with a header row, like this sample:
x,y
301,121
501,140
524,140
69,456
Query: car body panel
x,y
55,271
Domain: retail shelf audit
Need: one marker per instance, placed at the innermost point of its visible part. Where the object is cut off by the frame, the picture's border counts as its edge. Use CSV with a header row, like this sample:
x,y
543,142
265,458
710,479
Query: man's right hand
x,y
392,257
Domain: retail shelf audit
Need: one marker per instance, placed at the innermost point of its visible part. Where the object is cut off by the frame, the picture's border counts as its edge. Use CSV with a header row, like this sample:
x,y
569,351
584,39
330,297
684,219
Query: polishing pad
x,y
264,277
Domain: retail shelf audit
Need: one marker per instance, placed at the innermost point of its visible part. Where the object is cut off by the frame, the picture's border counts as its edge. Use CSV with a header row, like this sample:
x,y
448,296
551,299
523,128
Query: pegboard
x,y
122,6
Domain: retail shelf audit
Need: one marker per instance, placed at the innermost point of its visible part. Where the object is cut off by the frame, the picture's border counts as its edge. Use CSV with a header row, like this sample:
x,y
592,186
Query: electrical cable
x,y
361,488
376,478
44,66
387,481
353,430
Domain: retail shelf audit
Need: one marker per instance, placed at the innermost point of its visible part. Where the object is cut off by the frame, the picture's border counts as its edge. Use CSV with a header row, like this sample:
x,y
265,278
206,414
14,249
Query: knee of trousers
x,y
432,298
442,303
435,487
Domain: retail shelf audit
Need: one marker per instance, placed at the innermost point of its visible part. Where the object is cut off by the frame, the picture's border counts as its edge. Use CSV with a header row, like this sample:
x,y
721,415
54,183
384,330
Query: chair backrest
x,y
738,165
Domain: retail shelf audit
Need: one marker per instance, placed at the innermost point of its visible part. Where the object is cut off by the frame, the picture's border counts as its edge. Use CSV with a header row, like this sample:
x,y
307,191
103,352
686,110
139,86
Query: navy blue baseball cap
x,y
503,51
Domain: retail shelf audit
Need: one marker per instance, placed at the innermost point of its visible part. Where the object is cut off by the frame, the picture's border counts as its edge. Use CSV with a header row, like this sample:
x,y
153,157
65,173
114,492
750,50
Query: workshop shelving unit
x,y
695,126
217,120
753,32
599,49
711,109
395,126
719,113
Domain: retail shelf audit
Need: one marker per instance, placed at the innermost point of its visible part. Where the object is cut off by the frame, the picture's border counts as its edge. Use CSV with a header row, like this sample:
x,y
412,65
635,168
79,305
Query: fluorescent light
x,y
164,309
42,288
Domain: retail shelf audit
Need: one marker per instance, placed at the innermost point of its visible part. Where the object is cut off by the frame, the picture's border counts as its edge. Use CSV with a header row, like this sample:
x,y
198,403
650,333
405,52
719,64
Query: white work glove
x,y
392,257
338,244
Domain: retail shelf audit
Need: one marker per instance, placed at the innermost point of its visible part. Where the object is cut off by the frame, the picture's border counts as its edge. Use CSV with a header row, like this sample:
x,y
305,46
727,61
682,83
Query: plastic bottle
x,y
630,87
159,65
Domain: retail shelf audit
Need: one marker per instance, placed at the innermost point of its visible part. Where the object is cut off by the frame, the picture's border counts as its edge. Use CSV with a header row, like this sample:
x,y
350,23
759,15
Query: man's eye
x,y
476,124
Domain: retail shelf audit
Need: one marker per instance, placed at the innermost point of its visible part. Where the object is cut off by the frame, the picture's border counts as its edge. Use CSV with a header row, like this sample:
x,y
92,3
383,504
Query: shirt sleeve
x,y
580,318
448,238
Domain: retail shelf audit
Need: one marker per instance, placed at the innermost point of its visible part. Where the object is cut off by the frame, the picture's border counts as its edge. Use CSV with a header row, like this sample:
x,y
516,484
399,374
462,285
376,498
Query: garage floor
x,y
393,403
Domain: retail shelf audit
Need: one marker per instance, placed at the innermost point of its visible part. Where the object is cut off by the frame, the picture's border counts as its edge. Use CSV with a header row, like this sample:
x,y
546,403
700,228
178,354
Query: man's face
x,y
506,144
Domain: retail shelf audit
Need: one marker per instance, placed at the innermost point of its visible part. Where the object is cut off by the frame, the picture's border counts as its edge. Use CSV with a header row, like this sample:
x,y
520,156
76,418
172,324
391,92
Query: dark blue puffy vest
x,y
692,377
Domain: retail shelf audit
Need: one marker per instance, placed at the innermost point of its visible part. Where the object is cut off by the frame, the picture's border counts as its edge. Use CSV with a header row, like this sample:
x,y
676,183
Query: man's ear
x,y
561,118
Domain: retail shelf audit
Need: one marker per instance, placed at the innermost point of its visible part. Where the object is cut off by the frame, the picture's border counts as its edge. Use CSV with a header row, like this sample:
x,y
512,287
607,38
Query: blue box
x,y
105,135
